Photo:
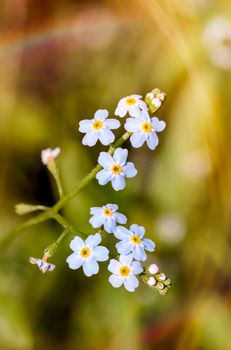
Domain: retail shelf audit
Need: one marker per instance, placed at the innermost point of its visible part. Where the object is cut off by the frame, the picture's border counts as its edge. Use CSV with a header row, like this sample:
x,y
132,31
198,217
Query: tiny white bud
x,y
151,281
162,277
153,269
156,102
150,95
49,154
161,96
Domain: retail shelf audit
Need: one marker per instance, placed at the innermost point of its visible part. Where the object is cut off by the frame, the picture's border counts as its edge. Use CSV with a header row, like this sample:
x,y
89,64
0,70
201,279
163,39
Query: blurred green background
x,y
60,62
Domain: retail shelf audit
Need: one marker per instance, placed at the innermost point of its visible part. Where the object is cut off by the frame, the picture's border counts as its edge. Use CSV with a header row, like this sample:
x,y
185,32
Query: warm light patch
x,y
97,125
85,252
124,271
107,212
135,239
130,101
116,169
146,127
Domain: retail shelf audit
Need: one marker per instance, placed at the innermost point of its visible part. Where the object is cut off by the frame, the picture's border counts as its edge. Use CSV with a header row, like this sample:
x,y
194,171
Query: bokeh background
x,y
60,62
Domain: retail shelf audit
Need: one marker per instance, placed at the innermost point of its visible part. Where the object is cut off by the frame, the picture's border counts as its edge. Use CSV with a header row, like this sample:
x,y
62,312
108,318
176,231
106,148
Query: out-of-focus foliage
x,y
60,61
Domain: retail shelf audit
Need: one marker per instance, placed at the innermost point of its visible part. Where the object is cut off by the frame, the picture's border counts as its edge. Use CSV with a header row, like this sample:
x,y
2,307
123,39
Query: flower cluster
x,y
156,280
141,128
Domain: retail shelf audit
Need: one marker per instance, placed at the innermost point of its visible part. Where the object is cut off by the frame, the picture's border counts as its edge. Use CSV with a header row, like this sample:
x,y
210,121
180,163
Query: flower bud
x,y
153,269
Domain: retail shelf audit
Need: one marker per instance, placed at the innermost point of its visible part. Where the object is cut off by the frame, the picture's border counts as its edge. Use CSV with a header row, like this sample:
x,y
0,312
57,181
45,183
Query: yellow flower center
x,y
116,169
135,239
130,101
146,127
97,124
85,252
107,212
124,271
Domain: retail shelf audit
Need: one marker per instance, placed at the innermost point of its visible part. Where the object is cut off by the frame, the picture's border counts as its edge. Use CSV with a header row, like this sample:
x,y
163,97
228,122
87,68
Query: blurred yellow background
x,y
60,62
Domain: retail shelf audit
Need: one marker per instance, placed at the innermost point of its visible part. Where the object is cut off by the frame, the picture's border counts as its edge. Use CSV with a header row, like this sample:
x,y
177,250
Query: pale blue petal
x,y
134,111
158,125
101,253
136,267
132,124
74,261
97,221
90,267
139,253
138,230
129,170
122,233
112,123
137,139
149,245
85,125
76,243
145,116
95,210
105,160
152,140
114,266
126,259
106,137
116,281
143,105
112,206
124,247
120,156
101,114
131,283
93,240
90,139
110,225
121,111
103,176
118,182
120,218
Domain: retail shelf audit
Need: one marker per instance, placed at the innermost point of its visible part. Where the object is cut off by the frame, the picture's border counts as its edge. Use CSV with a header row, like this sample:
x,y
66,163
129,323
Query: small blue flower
x,y
124,271
106,216
144,129
130,104
115,169
133,241
98,128
86,254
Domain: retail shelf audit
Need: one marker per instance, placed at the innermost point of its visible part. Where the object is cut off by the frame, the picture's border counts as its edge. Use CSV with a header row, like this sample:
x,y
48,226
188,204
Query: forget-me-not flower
x,y
144,129
131,105
124,272
133,241
98,128
115,169
42,264
86,254
49,154
106,216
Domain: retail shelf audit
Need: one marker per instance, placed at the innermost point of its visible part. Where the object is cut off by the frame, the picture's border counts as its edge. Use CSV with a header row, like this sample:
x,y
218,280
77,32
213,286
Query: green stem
x,y
63,222
51,249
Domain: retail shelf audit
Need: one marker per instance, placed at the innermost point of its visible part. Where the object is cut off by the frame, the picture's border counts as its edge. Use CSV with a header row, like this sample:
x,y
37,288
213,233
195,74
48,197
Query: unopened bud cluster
x,y
156,280
155,99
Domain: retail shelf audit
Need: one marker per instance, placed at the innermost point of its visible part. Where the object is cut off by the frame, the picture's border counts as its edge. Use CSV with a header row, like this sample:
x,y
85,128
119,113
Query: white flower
x,y
217,39
144,129
106,216
86,254
153,269
124,271
131,105
133,241
49,154
98,128
43,265
151,281
115,169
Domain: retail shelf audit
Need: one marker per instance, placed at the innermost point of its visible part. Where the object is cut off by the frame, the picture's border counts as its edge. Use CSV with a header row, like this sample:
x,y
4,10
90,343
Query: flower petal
x,y
121,111
93,240
159,125
95,210
149,245
101,253
124,247
76,243
105,160
112,123
137,139
126,259
120,156
114,266
101,114
131,283
120,218
90,267
129,170
138,230
133,125
97,221
112,206
90,139
106,137
103,177
122,233
152,140
85,125
110,225
139,253
118,182
136,267
116,281
74,261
